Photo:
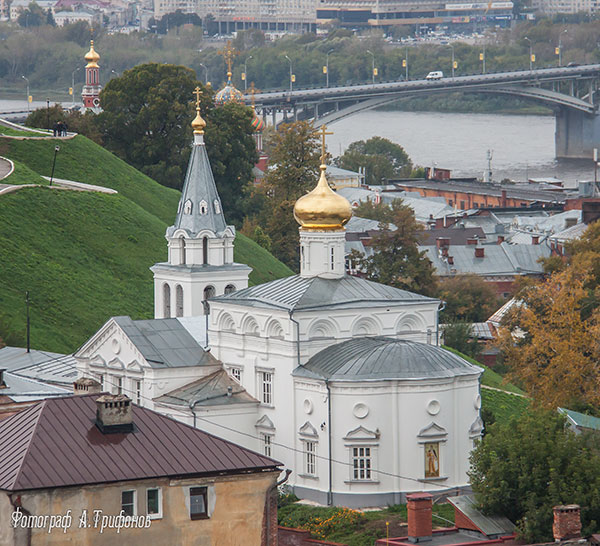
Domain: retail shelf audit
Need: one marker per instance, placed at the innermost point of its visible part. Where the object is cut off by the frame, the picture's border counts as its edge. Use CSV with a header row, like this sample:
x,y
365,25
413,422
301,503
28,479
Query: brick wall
x,y
418,506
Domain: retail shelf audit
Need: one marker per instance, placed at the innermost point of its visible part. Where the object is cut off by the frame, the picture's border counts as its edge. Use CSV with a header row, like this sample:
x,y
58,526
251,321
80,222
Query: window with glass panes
x,y
153,502
267,444
128,502
310,458
138,392
266,380
236,373
198,503
361,463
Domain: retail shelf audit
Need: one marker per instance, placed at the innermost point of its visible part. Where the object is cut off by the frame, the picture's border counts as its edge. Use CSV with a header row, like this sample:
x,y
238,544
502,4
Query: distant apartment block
x,y
554,7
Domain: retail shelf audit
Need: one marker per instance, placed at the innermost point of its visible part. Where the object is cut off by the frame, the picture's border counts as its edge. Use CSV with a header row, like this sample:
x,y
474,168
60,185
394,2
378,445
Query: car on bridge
x,y
435,75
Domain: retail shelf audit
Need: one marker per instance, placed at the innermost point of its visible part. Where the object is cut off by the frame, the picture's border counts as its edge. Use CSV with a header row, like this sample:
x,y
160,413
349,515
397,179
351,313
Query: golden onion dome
x,y
322,209
229,94
92,56
198,124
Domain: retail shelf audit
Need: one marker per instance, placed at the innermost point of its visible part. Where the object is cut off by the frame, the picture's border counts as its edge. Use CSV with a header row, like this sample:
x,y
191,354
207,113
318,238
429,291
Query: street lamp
x,y
530,53
245,74
327,66
27,92
482,55
73,86
560,47
405,63
205,74
56,150
115,73
373,65
453,61
48,113
291,73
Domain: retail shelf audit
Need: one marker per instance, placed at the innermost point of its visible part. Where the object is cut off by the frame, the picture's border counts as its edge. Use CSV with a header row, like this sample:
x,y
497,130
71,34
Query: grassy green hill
x,y
85,256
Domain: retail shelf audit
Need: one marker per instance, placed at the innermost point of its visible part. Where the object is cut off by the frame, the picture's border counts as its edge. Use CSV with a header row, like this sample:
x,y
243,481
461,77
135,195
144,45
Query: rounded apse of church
x,y
384,358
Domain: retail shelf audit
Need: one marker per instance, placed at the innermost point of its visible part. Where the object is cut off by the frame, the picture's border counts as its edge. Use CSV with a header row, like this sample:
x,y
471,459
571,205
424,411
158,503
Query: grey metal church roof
x,y
378,358
165,343
199,187
301,293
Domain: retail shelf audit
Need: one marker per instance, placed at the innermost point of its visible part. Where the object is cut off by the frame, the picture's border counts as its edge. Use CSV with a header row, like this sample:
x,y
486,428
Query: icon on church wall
x,y
187,208
432,460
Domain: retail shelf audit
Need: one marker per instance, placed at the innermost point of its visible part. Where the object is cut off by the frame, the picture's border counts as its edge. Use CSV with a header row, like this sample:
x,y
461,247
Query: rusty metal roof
x,y
56,443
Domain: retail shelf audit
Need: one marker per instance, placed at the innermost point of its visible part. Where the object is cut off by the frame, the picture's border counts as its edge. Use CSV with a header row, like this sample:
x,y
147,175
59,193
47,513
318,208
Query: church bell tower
x,y
200,244
91,90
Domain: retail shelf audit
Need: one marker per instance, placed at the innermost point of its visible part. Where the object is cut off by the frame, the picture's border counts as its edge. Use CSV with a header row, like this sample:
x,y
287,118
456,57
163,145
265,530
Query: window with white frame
x,y
310,458
265,386
362,463
236,373
154,502
119,384
138,392
128,504
267,444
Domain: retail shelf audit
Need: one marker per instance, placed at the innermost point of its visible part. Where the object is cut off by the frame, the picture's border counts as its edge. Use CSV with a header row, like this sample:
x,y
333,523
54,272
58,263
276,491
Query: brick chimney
x,y
451,260
444,252
567,522
479,252
500,239
86,385
535,239
114,414
418,507
473,240
443,242
2,383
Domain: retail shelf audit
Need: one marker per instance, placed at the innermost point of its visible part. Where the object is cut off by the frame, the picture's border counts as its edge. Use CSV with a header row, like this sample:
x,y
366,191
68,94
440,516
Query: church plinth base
x,y
577,134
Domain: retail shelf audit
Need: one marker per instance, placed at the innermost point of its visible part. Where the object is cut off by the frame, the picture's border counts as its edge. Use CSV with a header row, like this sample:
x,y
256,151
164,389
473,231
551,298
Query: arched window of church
x,y
187,207
209,292
166,301
229,289
203,207
179,301
182,250
205,250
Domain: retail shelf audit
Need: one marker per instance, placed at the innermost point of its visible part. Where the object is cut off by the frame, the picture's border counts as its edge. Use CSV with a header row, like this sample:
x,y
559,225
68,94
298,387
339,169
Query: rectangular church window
x,y
266,388
310,458
361,463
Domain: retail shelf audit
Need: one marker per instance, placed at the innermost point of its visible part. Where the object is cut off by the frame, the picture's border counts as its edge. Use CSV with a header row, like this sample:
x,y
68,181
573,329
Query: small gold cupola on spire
x,y
322,209
92,56
198,124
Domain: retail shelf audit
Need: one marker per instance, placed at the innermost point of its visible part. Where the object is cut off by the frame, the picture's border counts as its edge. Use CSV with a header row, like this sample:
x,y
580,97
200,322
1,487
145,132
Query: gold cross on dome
x,y
253,92
323,133
228,53
197,92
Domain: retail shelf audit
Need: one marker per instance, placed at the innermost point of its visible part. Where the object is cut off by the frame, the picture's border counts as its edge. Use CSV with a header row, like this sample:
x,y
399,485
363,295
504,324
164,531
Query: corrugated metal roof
x,y
45,366
381,358
491,526
212,390
300,293
21,389
165,343
581,420
497,317
56,443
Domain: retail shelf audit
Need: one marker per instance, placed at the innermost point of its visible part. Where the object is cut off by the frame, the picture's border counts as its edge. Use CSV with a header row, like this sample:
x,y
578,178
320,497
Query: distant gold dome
x,y
92,56
322,209
198,124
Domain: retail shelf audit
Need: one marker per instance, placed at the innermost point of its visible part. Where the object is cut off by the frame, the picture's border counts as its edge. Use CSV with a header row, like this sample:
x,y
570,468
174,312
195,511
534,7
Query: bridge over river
x,y
572,92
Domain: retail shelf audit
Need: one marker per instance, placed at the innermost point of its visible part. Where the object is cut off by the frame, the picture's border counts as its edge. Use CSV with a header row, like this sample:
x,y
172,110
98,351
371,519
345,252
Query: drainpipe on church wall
x,y
437,324
291,312
206,312
330,488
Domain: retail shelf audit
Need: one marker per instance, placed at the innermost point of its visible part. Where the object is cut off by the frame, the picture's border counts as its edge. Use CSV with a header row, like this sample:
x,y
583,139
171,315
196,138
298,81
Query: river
x,y
522,146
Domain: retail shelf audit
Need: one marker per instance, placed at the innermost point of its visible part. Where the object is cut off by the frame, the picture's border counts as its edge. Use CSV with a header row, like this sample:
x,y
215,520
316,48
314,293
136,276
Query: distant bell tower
x,y
92,87
200,243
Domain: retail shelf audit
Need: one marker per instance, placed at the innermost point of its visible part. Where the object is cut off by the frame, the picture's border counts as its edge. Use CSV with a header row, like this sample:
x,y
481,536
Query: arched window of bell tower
x,y
166,301
205,250
179,301
182,250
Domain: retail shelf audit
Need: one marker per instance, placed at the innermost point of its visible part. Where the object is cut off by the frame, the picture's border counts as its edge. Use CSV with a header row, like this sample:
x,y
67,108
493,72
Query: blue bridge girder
x,y
348,100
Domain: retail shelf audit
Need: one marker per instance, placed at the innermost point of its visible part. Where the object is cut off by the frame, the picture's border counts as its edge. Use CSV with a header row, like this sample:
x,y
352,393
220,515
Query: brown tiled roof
x,y
56,443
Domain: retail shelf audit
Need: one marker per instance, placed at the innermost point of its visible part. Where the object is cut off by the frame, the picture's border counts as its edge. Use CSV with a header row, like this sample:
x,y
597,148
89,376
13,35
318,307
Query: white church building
x,y
340,378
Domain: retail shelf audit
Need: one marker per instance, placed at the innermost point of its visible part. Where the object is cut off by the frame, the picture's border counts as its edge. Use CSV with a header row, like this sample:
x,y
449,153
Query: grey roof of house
x,y
570,234
41,365
212,390
337,172
300,293
165,343
457,235
580,419
491,526
502,259
22,389
382,358
56,443
199,185
356,224
355,195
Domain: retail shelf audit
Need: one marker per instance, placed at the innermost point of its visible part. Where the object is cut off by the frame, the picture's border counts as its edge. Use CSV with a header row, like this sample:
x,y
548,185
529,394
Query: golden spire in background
x,y
198,124
229,53
322,209
253,92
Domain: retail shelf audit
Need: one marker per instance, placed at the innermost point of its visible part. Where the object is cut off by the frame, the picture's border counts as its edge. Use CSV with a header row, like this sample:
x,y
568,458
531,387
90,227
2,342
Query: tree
x,y
458,335
50,18
381,158
210,26
381,211
468,298
396,259
33,16
295,164
523,468
547,342
146,120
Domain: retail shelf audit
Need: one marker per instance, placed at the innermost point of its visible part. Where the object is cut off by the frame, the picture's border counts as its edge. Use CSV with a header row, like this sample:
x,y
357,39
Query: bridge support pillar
x,y
577,134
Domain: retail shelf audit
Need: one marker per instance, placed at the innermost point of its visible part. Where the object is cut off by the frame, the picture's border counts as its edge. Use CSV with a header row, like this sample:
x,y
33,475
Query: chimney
x,y
114,413
503,199
2,383
473,240
479,252
86,385
418,507
535,239
451,260
567,522
443,242
500,239
445,251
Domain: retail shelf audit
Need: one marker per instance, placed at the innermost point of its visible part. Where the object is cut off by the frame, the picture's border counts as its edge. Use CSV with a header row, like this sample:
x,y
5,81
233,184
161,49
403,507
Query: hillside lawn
x,y
84,256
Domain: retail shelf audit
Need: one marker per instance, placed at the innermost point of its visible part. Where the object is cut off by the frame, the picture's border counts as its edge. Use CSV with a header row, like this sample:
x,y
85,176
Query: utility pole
x,y
48,114
327,67
27,302
291,73
373,65
560,47
27,92
245,74
530,54
453,61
